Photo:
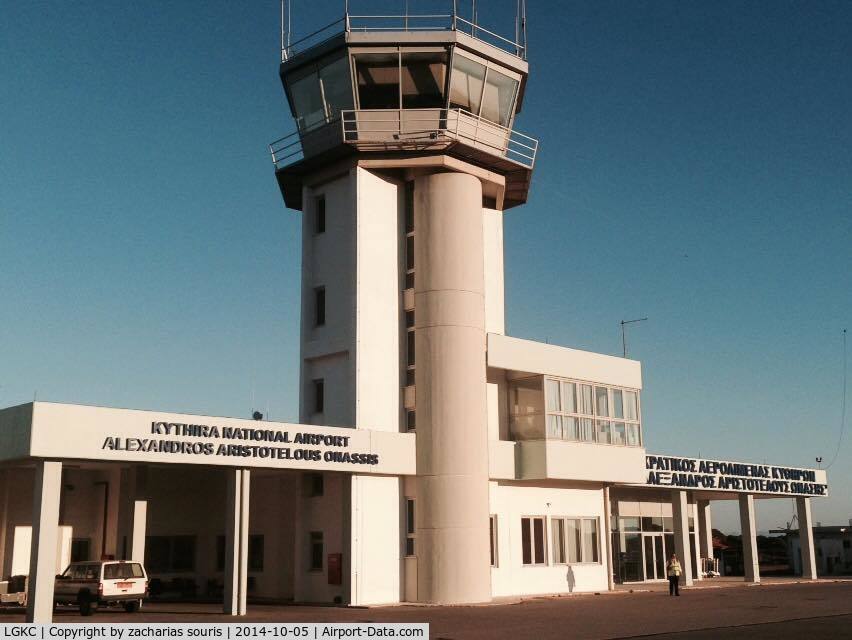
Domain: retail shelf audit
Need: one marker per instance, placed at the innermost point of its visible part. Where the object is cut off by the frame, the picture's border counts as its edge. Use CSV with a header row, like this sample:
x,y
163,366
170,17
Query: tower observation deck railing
x,y
452,21
408,130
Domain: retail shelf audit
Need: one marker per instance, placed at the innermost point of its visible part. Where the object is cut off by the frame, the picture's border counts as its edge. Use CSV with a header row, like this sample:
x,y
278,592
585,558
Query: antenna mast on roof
x,y
285,29
521,28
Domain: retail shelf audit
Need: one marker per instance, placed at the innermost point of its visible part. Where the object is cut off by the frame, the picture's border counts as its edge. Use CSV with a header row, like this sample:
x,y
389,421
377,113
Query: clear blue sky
x,y
695,168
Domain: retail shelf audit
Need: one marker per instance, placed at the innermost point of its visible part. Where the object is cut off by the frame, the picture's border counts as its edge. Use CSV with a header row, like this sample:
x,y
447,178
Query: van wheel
x,y
87,607
132,606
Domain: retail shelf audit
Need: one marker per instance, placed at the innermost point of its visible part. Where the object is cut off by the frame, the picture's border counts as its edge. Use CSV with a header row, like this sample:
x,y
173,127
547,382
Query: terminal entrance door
x,y
655,557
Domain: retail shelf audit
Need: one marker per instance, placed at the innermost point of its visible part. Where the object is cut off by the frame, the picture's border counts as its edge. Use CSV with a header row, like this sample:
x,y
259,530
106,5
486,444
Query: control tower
x,y
403,160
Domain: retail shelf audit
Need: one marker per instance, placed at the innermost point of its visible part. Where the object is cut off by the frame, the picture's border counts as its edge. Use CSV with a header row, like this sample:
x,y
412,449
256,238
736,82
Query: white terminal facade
x,y
483,466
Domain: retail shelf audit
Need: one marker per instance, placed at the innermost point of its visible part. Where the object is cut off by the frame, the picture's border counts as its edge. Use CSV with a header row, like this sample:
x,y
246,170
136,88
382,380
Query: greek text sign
x,y
715,475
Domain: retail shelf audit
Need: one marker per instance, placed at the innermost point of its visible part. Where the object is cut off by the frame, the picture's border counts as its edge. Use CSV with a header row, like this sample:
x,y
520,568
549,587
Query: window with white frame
x,y
574,540
587,412
410,531
526,408
533,546
492,526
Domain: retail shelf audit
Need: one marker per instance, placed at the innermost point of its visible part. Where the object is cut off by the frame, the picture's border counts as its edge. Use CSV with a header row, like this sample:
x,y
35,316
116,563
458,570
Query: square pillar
x,y
749,533
705,530
113,502
371,554
806,538
139,515
45,532
236,542
683,548
696,552
137,534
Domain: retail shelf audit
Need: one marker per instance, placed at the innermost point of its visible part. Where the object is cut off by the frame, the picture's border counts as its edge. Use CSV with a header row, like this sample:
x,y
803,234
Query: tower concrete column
x,y
705,529
806,538
450,381
236,542
749,534
48,483
680,517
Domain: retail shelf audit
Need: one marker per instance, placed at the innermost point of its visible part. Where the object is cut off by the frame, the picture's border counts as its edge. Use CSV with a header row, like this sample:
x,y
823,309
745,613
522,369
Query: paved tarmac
x,y
809,610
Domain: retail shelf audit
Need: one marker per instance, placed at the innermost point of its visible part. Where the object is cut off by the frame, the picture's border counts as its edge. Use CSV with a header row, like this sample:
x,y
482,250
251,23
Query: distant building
x,y
833,546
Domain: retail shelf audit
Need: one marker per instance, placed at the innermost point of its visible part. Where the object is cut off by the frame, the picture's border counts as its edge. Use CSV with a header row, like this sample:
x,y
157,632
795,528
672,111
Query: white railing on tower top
x,y
408,129
405,22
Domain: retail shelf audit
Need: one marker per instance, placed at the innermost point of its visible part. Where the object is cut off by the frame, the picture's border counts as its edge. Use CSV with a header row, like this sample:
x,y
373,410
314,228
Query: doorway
x,y
655,557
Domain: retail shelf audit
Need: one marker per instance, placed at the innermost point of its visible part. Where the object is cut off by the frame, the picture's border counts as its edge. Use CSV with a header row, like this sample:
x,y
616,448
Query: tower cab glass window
x,y
418,80
402,80
482,90
399,78
319,92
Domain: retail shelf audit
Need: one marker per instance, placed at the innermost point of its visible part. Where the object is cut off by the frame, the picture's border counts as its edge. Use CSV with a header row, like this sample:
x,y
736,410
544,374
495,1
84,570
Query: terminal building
x,y
436,459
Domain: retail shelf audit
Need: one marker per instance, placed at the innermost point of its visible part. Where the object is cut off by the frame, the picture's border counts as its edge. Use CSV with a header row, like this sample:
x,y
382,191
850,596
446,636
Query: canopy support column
x,y
683,548
749,533
236,542
806,538
45,537
705,531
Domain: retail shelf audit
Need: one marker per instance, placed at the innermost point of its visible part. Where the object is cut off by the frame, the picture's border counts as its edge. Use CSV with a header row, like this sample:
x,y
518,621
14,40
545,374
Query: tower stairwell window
x,y
409,368
315,551
319,214
410,531
408,247
319,395
319,306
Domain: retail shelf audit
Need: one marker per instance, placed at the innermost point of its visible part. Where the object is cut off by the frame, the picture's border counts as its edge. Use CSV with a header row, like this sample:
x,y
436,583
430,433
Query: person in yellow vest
x,y
673,570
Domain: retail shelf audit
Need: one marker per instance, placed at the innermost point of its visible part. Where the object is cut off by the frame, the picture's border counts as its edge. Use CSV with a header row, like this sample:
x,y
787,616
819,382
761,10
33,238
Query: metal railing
x,y
452,21
290,148
419,128
407,129
286,150
290,49
425,22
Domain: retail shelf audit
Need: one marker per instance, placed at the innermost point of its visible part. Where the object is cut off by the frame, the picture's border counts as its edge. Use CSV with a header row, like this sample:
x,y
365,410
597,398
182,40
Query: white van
x,y
91,584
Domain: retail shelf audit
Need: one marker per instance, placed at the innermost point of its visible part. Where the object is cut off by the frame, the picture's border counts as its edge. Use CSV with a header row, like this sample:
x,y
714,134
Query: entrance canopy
x,y
49,430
